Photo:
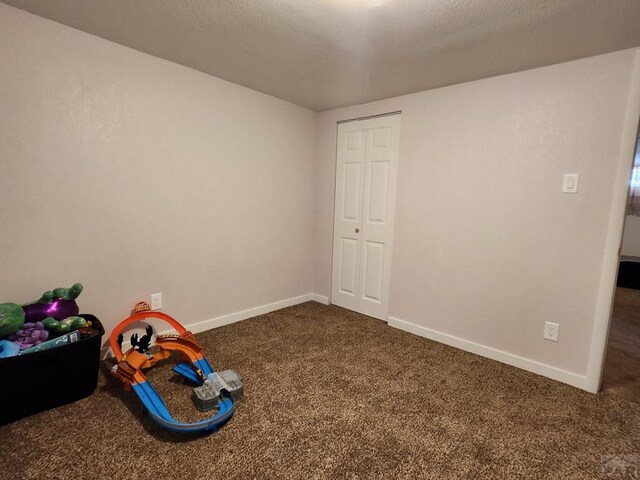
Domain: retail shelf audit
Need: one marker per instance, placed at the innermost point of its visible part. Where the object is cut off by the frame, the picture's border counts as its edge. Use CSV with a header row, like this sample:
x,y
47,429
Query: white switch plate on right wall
x,y
570,183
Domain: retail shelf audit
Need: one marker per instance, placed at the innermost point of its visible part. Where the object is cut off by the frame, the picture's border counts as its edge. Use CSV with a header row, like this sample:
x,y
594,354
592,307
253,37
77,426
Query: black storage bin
x,y
42,380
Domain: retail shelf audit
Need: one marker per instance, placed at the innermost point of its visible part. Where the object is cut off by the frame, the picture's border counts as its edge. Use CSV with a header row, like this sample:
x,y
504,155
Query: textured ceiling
x,y
324,54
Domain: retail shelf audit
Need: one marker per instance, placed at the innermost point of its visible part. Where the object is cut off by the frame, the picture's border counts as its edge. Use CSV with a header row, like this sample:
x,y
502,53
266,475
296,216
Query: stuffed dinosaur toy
x,y
54,305
59,303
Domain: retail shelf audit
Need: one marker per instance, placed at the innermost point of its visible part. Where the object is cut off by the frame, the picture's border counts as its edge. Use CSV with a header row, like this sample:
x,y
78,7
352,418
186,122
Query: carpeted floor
x,y
621,374
333,394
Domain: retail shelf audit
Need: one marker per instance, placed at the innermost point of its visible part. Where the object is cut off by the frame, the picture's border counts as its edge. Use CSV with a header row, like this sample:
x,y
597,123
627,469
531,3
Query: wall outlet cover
x,y
551,331
156,301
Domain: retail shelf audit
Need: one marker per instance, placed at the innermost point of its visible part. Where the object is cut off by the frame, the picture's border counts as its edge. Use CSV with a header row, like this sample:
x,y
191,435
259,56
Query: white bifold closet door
x,y
366,173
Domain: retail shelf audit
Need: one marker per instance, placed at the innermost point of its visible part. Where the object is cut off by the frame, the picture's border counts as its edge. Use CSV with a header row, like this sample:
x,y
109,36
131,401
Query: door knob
x,y
357,230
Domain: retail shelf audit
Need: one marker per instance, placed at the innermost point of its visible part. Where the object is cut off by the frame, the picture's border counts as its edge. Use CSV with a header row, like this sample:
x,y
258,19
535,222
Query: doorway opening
x,y
621,373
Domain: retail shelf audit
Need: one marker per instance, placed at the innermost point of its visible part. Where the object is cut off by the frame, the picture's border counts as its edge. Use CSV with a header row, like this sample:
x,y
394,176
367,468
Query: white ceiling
x,y
324,54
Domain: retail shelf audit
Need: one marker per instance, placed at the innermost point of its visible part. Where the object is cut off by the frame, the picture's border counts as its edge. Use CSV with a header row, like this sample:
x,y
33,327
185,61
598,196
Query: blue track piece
x,y
187,372
203,365
160,414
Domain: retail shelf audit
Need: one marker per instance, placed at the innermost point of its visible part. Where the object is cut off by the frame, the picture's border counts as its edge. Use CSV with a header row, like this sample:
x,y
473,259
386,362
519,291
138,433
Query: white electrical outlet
x,y
156,301
551,331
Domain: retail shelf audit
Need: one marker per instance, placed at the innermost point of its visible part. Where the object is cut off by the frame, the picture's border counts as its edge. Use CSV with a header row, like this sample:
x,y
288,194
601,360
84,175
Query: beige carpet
x,y
333,394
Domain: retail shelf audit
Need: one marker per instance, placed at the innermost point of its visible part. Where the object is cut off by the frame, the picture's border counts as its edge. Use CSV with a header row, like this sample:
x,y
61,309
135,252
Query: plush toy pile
x,y
25,328
29,335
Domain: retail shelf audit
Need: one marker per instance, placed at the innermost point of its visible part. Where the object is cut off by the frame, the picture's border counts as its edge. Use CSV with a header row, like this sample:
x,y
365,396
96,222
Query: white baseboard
x,y
223,320
320,298
554,373
249,313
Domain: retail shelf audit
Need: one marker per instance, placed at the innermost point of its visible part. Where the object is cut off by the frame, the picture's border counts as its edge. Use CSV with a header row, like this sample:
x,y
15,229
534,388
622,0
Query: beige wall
x,y
134,175
631,237
487,248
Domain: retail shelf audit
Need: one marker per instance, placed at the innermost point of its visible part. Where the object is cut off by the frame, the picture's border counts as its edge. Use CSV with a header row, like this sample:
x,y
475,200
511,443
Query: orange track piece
x,y
138,317
185,344
131,363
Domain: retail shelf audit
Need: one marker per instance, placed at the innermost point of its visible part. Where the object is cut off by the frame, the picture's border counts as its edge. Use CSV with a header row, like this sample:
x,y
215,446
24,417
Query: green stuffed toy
x,y
64,326
11,318
62,293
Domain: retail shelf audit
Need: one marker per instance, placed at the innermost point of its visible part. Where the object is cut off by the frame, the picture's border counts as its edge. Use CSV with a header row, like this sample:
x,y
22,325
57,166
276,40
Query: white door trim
x,y
378,115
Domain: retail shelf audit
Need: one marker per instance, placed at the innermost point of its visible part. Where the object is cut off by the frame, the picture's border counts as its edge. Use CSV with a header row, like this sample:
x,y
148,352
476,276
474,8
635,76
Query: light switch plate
x,y
570,183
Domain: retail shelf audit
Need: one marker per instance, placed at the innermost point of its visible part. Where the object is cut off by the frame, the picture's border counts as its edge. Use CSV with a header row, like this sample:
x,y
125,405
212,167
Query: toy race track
x,y
214,391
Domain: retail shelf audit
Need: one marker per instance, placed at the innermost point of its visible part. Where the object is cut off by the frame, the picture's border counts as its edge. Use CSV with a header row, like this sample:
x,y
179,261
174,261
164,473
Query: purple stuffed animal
x,y
30,335
59,303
